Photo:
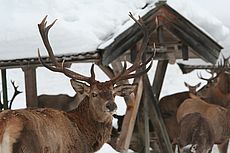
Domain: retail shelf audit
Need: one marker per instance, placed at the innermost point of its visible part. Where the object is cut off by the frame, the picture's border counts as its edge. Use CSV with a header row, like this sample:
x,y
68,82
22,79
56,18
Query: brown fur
x,y
217,116
193,127
210,93
60,102
46,130
168,106
49,130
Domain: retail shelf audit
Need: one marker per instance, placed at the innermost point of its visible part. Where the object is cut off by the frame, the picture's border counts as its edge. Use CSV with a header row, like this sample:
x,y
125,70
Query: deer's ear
x,y
80,87
124,90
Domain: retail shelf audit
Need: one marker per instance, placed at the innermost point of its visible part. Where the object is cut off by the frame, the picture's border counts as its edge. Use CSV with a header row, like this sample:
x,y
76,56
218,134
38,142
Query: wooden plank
x,y
156,118
4,89
184,49
159,77
193,42
129,119
30,86
146,121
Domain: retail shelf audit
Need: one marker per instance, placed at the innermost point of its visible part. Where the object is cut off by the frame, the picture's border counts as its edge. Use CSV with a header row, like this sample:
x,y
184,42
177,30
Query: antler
x,y
138,64
212,78
16,92
58,67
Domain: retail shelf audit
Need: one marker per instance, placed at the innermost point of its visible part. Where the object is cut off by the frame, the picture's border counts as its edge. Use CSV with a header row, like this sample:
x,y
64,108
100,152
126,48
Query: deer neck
x,y
96,133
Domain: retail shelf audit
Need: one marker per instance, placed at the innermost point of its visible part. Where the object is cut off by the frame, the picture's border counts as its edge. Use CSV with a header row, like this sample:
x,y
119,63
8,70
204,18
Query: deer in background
x,y
218,92
168,106
217,117
84,129
192,127
61,102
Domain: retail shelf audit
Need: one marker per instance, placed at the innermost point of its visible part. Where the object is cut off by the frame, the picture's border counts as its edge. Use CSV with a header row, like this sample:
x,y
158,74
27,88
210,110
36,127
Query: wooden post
x,y
129,119
159,77
156,118
132,103
184,49
4,89
30,86
146,121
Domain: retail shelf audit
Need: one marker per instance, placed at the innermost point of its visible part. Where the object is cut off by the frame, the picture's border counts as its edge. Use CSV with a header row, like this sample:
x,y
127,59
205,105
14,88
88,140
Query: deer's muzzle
x,y
111,107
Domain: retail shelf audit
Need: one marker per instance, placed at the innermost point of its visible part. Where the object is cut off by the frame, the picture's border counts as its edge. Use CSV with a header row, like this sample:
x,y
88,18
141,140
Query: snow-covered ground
x,y
84,25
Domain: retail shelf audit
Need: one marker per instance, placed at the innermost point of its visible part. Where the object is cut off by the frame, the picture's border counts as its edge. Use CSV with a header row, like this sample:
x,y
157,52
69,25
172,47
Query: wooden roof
x,y
181,29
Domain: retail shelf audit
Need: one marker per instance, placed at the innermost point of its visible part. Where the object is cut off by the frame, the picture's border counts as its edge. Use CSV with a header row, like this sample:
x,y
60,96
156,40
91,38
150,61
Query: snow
x,y
85,25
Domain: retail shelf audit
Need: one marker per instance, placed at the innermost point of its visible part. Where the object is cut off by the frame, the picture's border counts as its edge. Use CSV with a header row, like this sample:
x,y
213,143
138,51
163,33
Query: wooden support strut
x,y
30,86
156,118
4,89
132,102
154,93
129,119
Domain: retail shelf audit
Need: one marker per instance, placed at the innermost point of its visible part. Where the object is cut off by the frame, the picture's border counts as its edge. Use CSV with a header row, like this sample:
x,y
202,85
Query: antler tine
x,y
58,67
211,78
144,44
126,73
202,78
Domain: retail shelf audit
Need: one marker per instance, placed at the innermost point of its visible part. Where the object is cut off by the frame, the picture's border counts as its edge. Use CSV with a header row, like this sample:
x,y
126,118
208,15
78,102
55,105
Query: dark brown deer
x,y
62,102
217,90
217,116
82,130
192,127
168,106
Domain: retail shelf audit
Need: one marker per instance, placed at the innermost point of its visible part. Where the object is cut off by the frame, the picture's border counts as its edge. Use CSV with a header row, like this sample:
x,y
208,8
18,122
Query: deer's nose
x,y
111,106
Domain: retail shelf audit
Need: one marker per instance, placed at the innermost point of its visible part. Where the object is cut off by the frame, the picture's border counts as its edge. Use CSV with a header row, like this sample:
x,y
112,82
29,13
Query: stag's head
x,y
100,95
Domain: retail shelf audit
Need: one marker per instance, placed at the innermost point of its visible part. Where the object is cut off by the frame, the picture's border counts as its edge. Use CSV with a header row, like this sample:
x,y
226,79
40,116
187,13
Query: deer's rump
x,y
28,130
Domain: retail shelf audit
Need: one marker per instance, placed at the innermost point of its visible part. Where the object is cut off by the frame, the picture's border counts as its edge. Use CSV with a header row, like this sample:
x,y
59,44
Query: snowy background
x,y
84,25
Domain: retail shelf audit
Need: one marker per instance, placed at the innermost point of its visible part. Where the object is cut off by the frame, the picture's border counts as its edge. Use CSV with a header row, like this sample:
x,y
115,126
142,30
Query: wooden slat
x,y
129,119
159,77
156,118
30,86
146,121
88,57
4,89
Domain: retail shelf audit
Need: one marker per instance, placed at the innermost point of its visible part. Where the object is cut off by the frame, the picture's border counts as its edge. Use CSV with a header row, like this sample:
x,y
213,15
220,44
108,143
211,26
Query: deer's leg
x,y
223,148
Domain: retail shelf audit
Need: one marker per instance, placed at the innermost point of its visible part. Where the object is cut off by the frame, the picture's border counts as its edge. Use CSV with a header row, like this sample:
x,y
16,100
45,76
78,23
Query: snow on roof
x,y
82,25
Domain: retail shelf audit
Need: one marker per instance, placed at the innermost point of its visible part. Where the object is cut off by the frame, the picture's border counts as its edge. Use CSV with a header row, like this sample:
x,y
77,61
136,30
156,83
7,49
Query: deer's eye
x,y
94,94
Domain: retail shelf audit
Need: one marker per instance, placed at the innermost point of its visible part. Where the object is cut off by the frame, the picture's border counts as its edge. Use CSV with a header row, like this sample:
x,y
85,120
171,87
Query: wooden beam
x,y
30,86
129,119
4,89
156,118
146,122
184,49
159,77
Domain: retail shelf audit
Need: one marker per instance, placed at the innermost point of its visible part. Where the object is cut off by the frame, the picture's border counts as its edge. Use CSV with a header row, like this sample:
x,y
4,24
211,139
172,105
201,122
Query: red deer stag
x,y
217,117
215,92
82,130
